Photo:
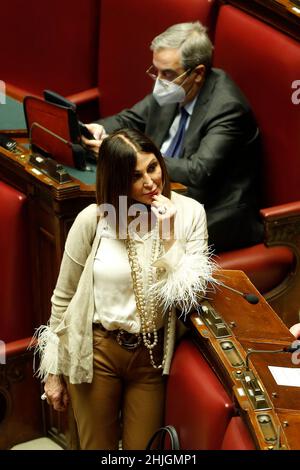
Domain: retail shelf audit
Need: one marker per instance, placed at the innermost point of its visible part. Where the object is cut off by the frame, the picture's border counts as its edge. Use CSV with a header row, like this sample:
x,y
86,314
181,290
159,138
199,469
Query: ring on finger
x,y
162,210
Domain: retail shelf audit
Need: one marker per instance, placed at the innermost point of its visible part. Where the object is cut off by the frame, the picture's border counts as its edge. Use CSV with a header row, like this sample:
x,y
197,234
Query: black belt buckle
x,y
128,340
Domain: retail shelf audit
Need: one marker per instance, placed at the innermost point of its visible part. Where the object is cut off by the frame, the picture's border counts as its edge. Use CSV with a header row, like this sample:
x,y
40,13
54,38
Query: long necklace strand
x,y
148,316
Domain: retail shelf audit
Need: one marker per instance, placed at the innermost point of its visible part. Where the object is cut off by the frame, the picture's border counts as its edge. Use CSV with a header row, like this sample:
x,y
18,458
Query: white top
x,y
115,305
189,107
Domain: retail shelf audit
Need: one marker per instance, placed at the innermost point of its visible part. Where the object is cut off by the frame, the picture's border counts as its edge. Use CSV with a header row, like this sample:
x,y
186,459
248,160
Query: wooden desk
x,y
271,411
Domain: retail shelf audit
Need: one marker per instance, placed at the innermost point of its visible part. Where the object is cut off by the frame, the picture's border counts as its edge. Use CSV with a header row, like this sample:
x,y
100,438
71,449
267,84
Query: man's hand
x,y
99,134
56,392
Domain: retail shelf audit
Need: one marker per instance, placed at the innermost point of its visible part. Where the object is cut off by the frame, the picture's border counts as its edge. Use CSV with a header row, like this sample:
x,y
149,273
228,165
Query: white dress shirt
x,y
115,305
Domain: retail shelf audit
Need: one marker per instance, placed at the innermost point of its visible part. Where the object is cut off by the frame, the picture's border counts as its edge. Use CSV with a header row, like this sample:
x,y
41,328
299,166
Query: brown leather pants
x,y
125,399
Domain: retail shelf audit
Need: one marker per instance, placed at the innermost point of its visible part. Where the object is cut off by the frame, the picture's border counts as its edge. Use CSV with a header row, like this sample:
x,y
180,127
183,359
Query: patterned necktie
x,y
175,146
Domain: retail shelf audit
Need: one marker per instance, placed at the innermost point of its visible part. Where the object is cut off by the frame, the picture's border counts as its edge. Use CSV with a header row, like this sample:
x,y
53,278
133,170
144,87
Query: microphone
x,y
251,298
261,351
295,346
43,162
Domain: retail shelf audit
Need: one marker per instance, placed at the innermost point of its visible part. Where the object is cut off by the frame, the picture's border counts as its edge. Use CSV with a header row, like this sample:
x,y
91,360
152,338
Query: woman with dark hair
x,y
128,261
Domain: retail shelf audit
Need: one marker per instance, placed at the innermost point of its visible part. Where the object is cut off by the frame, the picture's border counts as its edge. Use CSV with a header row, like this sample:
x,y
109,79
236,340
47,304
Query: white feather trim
x,y
45,344
185,285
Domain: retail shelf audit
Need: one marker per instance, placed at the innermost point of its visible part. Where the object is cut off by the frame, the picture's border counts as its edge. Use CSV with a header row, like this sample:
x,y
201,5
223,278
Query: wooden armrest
x,y
282,227
178,187
15,133
19,93
85,96
17,347
284,210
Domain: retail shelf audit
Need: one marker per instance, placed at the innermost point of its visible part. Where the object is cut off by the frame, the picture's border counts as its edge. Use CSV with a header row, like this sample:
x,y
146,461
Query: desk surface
x,y
12,115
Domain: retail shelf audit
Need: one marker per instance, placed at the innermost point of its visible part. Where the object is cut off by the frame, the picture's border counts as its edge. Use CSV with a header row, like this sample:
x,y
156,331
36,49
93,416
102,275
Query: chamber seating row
x,y
99,54
251,51
102,61
87,51
20,409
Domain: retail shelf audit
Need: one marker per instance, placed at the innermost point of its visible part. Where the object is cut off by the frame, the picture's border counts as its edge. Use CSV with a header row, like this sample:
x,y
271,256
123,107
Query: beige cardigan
x,y
66,343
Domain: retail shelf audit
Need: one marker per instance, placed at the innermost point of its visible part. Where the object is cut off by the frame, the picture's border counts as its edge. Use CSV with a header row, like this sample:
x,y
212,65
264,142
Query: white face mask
x,y
166,92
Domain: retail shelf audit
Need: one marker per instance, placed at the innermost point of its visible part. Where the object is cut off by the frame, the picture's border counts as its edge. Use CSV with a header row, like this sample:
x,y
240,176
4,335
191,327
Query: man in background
x,y
206,131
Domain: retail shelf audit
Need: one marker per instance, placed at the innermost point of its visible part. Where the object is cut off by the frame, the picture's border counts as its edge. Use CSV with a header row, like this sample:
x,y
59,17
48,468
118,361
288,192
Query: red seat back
x,y
196,403
237,436
265,62
126,31
51,46
16,312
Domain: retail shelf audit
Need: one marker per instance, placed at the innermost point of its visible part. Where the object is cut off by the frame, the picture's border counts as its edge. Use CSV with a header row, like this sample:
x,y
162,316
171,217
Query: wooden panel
x,y
250,316
20,403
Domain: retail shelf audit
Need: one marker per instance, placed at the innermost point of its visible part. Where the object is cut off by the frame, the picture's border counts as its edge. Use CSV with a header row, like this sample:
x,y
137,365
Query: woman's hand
x,y
295,330
56,392
165,212
99,134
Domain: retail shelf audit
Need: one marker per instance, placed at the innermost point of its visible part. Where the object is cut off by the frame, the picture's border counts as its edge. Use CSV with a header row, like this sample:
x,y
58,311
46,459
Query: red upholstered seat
x,y
265,68
265,267
237,436
196,403
265,62
20,412
16,315
198,406
126,30
54,47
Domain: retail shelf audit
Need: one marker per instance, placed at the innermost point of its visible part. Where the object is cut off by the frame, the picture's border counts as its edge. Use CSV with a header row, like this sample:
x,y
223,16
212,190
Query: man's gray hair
x,y
192,41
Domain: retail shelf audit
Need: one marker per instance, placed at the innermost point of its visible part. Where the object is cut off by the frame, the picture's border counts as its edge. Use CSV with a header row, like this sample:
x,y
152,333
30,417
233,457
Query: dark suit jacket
x,y
220,158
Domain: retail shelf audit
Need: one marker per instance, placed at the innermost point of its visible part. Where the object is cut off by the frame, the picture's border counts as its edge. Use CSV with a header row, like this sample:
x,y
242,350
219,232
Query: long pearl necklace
x,y
148,316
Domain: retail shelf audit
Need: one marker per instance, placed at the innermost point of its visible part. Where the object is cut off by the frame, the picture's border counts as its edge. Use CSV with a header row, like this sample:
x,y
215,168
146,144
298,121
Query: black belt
x,y
124,338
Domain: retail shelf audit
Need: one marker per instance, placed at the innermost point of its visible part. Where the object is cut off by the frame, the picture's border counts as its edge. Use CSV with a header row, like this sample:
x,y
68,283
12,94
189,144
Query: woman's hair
x,y
117,163
192,41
